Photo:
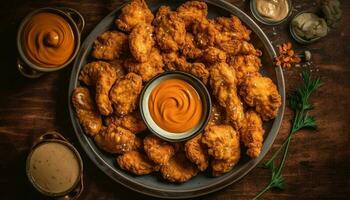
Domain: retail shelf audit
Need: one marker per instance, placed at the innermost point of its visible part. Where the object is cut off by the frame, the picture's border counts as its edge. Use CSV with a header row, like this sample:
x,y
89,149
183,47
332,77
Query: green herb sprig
x,y
299,102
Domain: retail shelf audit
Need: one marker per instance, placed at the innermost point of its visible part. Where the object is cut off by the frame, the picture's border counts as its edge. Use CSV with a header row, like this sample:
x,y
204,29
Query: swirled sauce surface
x,y
274,10
175,106
48,40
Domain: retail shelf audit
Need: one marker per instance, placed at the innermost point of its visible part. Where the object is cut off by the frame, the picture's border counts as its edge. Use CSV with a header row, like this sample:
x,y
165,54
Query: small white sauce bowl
x,y
152,125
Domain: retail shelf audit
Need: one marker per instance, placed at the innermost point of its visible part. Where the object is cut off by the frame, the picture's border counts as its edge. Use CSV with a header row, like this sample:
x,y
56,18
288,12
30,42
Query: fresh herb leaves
x,y
299,102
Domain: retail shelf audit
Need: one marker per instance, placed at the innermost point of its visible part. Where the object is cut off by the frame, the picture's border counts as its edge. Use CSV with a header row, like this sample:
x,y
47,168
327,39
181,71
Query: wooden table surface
x,y
318,166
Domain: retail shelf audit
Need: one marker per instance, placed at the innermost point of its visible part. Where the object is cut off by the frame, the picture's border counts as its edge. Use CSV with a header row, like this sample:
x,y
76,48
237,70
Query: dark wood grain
x,y
318,166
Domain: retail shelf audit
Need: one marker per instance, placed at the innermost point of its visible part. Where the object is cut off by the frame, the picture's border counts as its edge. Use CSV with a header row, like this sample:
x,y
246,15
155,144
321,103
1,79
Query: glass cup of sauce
x,y
271,12
175,106
55,168
48,39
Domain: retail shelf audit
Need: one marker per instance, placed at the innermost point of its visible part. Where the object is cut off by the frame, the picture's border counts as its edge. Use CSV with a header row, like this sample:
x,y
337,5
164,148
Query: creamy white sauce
x,y
54,167
273,10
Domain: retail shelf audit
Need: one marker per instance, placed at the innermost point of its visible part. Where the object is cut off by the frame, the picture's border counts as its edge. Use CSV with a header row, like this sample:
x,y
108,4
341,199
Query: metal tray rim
x,y
172,194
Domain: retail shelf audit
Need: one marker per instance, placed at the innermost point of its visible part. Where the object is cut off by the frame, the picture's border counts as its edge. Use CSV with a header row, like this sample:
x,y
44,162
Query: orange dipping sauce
x,y
175,106
48,40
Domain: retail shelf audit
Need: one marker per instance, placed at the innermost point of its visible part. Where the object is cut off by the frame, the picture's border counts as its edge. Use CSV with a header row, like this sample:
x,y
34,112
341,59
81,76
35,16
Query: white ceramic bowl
x,y
152,125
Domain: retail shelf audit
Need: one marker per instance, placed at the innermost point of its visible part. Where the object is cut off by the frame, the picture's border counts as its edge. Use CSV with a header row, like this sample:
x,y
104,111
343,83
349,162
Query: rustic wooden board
x,y
318,166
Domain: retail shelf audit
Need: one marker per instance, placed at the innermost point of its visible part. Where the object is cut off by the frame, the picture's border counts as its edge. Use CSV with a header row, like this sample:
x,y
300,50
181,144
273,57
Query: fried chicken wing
x,y
223,83
179,169
147,70
217,115
220,140
118,65
192,11
189,48
238,47
132,14
213,55
141,41
252,134
103,76
205,33
170,31
173,61
223,166
136,162
232,27
262,94
125,93
133,122
118,140
87,112
158,150
245,65
196,152
222,77
110,45
223,145
235,110
196,69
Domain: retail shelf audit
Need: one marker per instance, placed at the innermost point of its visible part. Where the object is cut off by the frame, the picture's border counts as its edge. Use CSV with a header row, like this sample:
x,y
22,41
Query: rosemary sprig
x,y
299,102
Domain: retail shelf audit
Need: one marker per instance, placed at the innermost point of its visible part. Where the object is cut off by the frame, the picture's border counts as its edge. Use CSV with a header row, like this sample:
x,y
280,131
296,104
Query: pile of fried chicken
x,y
217,51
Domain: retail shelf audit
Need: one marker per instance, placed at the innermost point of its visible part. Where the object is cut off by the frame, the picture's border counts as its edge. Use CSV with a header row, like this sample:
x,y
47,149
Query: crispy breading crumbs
x,y
287,56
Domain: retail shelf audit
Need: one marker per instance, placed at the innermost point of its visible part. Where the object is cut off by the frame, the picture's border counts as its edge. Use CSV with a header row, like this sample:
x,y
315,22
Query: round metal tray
x,y
202,184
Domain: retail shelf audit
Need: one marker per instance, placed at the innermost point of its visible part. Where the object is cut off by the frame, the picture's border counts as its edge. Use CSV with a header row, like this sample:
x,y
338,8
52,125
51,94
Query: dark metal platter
x,y
202,184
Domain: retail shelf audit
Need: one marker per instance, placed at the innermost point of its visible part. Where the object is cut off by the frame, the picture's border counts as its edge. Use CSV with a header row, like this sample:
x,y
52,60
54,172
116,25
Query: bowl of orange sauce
x,y
48,39
175,106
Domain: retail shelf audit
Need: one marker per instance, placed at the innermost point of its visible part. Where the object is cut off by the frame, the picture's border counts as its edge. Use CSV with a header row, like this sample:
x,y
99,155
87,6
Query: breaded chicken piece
x,y
196,69
223,166
103,76
149,69
232,27
235,110
190,49
192,11
141,41
133,122
252,134
238,47
136,162
220,140
262,94
244,65
205,33
221,77
179,169
173,61
223,146
132,14
213,55
170,31
196,152
125,93
110,45
91,71
158,150
217,115
87,112
118,65
223,83
118,140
